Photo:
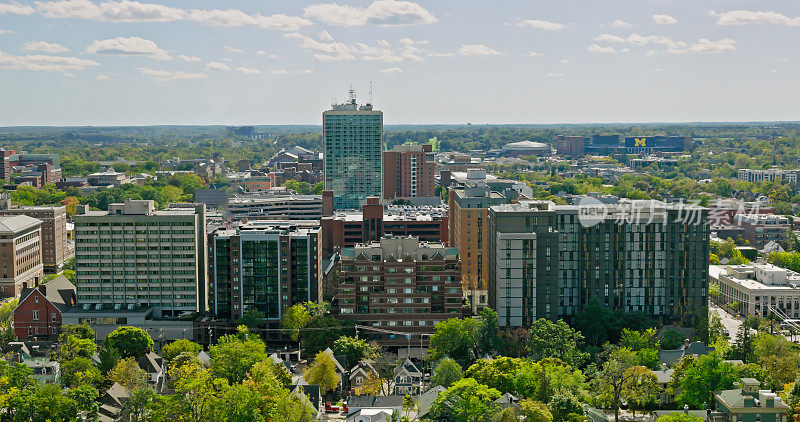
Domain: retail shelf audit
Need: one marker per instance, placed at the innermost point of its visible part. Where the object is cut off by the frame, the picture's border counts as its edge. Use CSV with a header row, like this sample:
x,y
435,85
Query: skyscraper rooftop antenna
x,y
370,92
352,93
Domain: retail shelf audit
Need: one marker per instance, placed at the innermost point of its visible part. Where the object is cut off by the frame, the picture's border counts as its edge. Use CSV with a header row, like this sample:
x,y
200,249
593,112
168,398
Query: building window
x,y
30,331
53,317
35,299
35,315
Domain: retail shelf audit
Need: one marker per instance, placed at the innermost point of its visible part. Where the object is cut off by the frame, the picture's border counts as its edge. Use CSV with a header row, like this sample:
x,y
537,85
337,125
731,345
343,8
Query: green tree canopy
x,y
446,372
467,401
556,340
129,341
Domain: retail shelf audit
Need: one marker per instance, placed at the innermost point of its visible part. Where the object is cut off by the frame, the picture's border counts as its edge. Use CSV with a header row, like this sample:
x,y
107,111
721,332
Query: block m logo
x,y
640,142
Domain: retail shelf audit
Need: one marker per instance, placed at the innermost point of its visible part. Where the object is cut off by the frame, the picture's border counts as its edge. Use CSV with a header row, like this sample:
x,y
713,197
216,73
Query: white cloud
x,y
293,72
750,17
541,24
265,53
609,38
170,75
656,70
134,11
783,60
217,66
44,63
5,31
535,54
324,36
707,46
379,12
102,77
565,61
131,46
407,50
234,50
477,50
15,8
594,48
775,71
189,58
248,70
664,20
554,75
392,70
44,47
109,11
323,50
621,24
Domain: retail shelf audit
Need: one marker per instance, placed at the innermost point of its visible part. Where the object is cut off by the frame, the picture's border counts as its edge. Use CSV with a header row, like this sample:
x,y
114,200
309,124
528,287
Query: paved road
x,y
730,322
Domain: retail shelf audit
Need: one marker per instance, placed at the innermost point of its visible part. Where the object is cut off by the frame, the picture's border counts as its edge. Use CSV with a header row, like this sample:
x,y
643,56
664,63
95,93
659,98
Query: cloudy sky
x,y
70,62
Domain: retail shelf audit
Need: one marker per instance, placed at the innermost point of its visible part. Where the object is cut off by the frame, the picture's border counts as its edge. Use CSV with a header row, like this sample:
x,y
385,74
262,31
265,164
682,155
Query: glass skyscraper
x,y
353,137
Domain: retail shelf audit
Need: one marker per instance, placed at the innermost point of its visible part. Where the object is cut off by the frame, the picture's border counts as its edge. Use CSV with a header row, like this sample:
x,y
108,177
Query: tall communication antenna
x,y
352,93
370,92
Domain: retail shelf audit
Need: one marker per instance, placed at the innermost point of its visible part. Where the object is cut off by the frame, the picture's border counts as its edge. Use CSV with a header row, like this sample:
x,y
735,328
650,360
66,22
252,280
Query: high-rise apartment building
x,y
468,214
408,172
266,266
399,284
133,256
55,246
353,138
20,253
549,261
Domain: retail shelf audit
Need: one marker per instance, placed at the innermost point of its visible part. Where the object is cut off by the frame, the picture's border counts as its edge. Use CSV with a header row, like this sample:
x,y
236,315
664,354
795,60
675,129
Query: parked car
x,y
331,408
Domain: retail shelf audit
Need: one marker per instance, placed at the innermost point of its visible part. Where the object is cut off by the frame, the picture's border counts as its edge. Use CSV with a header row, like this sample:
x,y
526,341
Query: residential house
x,y
664,377
372,415
153,364
359,377
749,404
311,392
111,403
407,379
424,401
672,357
38,314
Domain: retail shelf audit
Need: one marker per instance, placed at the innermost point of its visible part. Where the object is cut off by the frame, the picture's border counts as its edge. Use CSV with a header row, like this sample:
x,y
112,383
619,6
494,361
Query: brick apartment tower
x,y
408,172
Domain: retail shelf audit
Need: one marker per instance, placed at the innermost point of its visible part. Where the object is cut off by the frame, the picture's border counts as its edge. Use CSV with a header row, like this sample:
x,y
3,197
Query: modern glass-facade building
x,y
642,256
266,266
353,137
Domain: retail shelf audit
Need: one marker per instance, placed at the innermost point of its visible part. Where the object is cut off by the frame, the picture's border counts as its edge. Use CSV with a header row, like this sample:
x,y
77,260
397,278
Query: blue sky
x,y
86,62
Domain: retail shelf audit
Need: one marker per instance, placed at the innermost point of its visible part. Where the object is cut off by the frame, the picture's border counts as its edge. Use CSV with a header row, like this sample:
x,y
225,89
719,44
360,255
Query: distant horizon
x,y
225,125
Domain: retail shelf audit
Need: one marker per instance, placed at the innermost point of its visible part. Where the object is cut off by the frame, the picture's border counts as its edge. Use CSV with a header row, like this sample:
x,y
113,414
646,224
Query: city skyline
x,y
84,62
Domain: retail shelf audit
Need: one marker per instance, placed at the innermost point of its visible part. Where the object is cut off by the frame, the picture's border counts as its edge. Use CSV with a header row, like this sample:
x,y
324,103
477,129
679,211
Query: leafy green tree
x,y
47,403
535,411
456,338
71,346
563,405
251,318
129,341
323,373
85,398
467,401
446,373
499,373
128,374
515,342
323,330
708,374
671,340
289,408
108,358
80,371
614,375
354,348
177,347
594,320
680,417
233,356
140,405
295,318
556,340
641,387
488,335
742,347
